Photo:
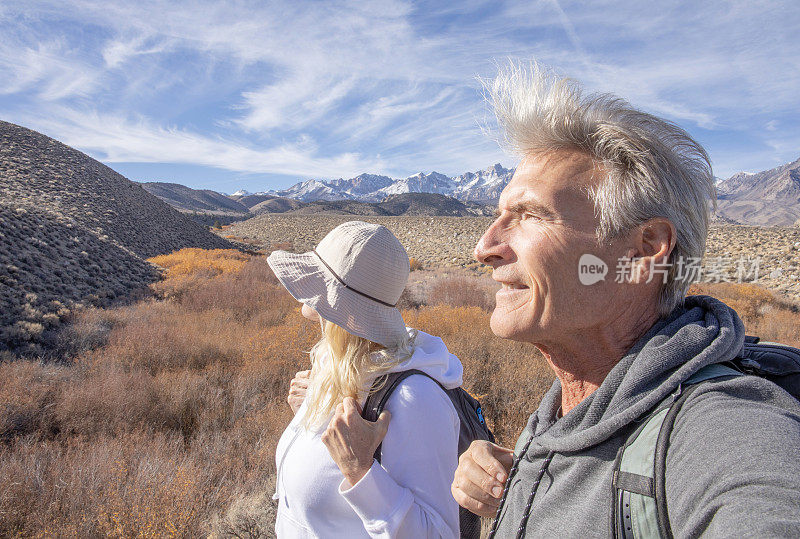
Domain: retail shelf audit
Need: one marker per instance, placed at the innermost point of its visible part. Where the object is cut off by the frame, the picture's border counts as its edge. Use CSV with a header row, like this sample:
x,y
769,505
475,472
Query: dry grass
x,y
764,314
461,292
169,412
165,421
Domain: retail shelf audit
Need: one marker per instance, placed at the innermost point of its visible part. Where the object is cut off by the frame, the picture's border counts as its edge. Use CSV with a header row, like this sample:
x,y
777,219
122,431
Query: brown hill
x,y
267,203
187,199
72,232
432,204
407,204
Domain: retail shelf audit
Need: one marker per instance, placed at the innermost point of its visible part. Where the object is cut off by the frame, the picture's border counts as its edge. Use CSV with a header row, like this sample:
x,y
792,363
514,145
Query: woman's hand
x,y
352,440
297,390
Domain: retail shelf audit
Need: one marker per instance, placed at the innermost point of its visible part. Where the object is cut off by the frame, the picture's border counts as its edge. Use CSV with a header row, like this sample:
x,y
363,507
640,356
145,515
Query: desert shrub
x,y
749,300
29,392
281,246
103,487
249,517
157,336
779,326
409,300
763,313
194,261
84,331
252,291
111,401
170,412
461,292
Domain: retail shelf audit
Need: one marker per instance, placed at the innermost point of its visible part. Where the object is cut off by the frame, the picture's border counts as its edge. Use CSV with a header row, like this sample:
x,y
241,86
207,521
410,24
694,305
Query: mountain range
x,y
767,198
482,187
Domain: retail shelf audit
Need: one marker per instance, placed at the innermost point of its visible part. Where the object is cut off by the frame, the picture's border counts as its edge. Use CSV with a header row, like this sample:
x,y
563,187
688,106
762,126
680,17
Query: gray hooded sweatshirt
x,y
733,465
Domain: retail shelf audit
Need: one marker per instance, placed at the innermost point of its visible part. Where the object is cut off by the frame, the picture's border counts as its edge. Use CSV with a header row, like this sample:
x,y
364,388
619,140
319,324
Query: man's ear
x,y
654,240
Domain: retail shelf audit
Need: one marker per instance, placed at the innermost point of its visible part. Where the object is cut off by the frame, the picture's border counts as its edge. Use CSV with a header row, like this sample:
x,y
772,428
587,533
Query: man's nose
x,y
491,248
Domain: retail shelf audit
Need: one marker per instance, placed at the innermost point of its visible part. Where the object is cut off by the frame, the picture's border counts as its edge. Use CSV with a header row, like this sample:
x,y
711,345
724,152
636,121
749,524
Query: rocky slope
x,y
73,231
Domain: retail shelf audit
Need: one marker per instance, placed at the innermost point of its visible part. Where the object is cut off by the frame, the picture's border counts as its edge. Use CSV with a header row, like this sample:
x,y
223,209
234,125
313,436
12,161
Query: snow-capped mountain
x,y
418,183
482,186
313,190
240,193
361,185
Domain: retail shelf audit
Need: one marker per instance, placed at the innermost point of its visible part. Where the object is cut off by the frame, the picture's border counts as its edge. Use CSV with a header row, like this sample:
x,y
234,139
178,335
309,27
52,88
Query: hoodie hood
x,y
432,357
701,332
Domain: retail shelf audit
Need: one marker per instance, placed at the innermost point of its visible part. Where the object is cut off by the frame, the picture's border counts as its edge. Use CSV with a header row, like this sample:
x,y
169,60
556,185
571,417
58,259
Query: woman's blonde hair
x,y
343,365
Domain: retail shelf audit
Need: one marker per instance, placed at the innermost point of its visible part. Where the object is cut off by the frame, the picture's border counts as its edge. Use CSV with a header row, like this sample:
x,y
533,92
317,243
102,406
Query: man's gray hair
x,y
656,169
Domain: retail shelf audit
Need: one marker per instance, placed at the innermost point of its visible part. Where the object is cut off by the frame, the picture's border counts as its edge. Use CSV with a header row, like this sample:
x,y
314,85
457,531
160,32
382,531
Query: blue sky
x,y
259,95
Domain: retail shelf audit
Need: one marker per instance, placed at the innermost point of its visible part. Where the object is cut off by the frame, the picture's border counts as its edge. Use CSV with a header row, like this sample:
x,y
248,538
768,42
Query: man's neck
x,y
583,362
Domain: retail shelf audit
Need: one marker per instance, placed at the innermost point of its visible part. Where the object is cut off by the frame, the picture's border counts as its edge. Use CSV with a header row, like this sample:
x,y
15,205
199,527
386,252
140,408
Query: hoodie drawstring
x,y
524,522
511,473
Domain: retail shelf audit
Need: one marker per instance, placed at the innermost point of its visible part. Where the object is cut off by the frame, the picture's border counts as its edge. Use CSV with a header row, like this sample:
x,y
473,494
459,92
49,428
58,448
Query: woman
x,y
328,483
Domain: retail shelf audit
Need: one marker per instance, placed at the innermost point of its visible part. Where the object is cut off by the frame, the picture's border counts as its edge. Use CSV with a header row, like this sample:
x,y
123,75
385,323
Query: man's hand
x,y
482,471
297,390
352,440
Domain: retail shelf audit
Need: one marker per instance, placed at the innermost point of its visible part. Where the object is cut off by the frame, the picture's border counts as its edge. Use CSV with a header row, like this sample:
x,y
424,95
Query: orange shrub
x,y
193,261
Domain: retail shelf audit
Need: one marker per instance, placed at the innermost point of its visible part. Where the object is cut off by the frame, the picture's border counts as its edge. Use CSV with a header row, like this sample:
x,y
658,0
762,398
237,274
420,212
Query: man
x,y
601,184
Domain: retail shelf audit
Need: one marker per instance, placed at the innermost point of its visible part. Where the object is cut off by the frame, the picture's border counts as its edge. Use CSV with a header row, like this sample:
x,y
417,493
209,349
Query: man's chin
x,y
505,325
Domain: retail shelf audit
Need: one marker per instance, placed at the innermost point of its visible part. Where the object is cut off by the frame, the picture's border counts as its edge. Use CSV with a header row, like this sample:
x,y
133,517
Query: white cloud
x,y
115,139
119,51
357,80
47,69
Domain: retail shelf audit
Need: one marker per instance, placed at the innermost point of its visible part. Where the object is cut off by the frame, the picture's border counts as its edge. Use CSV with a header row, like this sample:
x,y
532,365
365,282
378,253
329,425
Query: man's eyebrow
x,y
529,206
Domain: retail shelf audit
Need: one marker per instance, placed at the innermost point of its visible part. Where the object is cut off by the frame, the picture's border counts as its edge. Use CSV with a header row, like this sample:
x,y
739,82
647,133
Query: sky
x,y
259,95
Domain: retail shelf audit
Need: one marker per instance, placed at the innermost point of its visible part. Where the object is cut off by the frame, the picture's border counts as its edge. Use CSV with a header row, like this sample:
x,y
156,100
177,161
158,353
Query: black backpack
x,y
473,427
640,498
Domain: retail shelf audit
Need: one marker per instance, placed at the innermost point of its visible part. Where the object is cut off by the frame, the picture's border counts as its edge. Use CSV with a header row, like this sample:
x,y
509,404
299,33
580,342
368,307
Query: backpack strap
x,y
472,426
638,481
382,389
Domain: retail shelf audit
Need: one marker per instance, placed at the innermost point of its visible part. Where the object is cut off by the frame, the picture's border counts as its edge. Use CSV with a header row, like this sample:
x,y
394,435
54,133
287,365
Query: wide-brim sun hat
x,y
354,278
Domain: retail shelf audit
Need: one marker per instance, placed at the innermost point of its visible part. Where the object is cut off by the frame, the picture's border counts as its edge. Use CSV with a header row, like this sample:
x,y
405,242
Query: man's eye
x,y
527,216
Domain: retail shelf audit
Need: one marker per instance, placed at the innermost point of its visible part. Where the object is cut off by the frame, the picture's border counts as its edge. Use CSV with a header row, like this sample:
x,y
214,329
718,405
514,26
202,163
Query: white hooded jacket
x,y
408,493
